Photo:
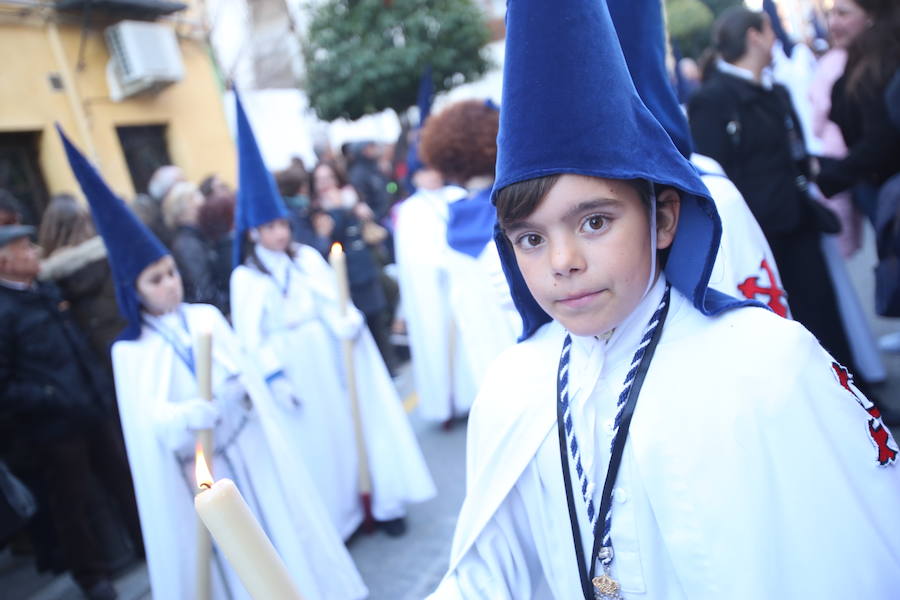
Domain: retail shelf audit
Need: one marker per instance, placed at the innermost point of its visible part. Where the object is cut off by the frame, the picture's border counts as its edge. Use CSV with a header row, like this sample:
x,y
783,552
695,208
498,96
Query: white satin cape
x,y
755,463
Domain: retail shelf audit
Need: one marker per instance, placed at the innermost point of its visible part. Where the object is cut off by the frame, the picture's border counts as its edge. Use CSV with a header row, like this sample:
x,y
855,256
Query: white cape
x,y
440,368
745,266
761,471
482,307
294,333
293,513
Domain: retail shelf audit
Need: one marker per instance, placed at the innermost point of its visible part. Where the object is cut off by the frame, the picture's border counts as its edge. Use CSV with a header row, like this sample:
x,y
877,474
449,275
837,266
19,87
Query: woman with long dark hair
x,y
860,109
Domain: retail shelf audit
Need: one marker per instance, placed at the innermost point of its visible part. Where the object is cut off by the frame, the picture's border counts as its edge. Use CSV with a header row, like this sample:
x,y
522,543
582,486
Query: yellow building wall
x,y
197,133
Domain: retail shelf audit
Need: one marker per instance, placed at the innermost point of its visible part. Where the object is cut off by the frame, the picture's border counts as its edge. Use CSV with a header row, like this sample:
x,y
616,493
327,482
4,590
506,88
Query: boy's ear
x,y
668,207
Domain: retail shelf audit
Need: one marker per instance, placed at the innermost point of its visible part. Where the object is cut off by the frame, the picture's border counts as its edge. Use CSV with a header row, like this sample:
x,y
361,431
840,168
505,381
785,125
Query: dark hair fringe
x,y
517,201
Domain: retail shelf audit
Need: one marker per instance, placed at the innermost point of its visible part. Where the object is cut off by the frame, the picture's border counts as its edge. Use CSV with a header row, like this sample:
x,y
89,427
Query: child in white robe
x,y
288,317
459,142
444,384
156,385
651,437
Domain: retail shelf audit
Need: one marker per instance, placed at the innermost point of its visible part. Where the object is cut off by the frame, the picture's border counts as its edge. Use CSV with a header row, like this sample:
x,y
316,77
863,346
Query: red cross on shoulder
x,y
879,435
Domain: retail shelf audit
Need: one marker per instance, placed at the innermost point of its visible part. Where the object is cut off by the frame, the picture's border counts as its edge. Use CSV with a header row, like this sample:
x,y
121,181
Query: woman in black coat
x,y
750,127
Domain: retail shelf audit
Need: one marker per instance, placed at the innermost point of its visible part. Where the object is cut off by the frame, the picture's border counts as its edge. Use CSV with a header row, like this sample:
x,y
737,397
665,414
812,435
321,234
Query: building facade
x,y
57,69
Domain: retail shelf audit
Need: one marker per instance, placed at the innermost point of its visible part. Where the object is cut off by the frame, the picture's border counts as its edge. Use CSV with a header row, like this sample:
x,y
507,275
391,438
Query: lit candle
x,y
240,538
339,263
203,373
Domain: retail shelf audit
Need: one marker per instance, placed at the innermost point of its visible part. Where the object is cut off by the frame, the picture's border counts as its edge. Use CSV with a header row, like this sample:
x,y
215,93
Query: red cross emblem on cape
x,y
751,288
878,433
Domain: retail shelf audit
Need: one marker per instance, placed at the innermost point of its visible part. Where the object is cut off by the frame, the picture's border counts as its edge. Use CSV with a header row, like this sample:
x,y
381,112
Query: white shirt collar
x,y
591,353
594,359
172,322
17,285
746,74
277,263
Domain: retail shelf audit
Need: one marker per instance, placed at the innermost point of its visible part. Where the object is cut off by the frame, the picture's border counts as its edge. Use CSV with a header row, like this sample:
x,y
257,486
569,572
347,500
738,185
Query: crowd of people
x,y
754,182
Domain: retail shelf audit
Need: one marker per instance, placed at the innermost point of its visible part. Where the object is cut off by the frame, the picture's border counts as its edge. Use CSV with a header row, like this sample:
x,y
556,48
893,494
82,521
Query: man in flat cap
x,y
55,425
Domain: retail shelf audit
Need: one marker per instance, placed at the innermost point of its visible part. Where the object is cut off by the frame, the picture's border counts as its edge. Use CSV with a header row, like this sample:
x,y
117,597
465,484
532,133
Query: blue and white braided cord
x,y
587,486
623,397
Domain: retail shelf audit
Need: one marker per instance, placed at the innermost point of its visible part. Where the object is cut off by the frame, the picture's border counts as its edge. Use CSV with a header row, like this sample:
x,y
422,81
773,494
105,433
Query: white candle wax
x,y
203,362
203,373
244,543
338,261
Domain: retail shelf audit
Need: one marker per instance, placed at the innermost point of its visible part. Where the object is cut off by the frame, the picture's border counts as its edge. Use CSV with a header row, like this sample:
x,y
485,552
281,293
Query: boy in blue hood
x,y
649,437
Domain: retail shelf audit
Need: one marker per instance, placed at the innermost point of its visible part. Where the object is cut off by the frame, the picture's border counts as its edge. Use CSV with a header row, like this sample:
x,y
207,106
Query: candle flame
x,y
337,248
201,469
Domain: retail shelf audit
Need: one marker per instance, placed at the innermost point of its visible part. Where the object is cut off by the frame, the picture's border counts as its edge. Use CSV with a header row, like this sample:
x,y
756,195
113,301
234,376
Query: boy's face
x,y
159,287
585,251
19,260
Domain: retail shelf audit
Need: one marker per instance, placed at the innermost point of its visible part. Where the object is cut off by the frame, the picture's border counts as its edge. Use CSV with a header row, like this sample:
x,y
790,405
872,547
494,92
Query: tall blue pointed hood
x,y
258,200
569,106
131,246
424,100
641,30
787,43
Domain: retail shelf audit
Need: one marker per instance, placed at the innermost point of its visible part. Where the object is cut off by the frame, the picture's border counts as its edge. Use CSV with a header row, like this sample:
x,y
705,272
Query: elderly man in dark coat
x,y
55,425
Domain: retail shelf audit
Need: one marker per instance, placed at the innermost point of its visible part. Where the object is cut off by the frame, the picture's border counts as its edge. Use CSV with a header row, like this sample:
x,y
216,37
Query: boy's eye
x,y
529,240
594,223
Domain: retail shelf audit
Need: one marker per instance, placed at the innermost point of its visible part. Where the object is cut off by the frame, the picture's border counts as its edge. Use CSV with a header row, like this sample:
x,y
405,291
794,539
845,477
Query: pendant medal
x,y
606,588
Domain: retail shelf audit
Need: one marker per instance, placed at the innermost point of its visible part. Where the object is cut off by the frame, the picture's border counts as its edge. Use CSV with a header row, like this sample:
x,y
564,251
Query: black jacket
x,y
755,135
85,280
52,384
371,185
363,269
197,260
873,142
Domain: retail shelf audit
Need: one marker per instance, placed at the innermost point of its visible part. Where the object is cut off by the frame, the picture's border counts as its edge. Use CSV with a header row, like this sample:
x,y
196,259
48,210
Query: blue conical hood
x,y
131,246
569,106
642,34
258,200
787,44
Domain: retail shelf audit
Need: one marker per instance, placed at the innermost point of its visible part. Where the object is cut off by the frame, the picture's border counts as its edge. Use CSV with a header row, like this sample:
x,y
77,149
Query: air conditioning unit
x,y
144,57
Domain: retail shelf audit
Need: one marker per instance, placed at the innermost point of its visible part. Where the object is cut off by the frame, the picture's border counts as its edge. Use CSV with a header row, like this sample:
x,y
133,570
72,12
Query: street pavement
x,y
409,567
404,568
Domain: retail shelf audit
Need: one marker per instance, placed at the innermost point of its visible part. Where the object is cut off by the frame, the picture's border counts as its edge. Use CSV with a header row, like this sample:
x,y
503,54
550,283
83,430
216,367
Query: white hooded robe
x,y
293,332
150,380
444,383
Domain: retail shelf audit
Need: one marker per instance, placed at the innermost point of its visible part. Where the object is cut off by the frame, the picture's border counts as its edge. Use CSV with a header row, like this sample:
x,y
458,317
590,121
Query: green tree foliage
x,y
689,23
363,56
719,6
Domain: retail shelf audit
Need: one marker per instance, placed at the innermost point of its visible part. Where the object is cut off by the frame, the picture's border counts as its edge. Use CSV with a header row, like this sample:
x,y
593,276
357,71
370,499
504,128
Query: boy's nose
x,y
565,258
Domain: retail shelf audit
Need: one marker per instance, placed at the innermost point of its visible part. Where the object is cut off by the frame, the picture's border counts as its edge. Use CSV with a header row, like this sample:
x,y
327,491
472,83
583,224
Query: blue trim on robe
x,y
470,225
